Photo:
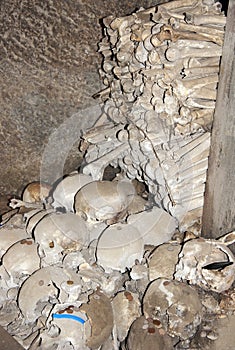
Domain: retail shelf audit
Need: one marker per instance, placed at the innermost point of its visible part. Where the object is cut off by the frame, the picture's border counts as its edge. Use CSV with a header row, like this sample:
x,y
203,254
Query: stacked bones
x,y
104,272
160,70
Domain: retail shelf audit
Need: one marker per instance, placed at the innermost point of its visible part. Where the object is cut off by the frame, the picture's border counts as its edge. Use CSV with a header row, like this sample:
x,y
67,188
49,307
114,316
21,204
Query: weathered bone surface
x,y
126,309
207,263
144,334
21,260
100,313
36,192
63,332
58,232
159,265
101,264
104,200
156,226
9,236
63,194
47,284
160,70
179,301
119,246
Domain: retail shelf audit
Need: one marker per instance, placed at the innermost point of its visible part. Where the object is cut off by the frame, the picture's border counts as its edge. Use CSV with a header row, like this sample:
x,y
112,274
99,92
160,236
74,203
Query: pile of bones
x,y
100,263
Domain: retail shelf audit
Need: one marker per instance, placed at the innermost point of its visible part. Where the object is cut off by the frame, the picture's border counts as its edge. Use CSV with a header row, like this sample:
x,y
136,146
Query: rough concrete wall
x,y
48,72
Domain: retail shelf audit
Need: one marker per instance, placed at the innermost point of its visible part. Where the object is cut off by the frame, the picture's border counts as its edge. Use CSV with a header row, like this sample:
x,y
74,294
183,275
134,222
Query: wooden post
x,y
219,207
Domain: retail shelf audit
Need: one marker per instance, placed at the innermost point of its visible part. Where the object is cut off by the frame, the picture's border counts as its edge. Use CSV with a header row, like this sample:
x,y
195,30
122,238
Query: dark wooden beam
x,y
219,207
7,342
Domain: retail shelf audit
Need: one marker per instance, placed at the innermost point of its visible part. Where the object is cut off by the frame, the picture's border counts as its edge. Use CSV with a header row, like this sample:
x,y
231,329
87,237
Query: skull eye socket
x,y
220,265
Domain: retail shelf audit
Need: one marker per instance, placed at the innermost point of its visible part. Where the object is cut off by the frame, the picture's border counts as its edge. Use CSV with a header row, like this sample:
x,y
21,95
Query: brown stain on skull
x,y
100,314
36,191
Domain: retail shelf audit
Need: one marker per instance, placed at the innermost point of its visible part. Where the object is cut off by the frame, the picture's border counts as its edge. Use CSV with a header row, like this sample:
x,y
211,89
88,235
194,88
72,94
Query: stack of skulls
x,y
96,269
160,70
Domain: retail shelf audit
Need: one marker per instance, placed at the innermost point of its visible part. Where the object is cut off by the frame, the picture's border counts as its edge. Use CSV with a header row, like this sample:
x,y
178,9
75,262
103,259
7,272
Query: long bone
x,y
202,142
191,87
200,71
188,48
196,62
199,103
210,93
100,133
176,5
175,33
216,20
209,34
17,203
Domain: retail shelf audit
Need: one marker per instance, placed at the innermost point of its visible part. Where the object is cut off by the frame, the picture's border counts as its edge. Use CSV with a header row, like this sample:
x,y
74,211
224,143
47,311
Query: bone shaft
x,y
173,54
202,62
200,82
96,167
194,144
197,29
172,5
204,71
217,20
204,93
199,103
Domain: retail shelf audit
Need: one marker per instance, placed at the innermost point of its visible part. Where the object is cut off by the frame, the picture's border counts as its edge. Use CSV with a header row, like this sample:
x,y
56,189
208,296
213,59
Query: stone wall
x,y
48,73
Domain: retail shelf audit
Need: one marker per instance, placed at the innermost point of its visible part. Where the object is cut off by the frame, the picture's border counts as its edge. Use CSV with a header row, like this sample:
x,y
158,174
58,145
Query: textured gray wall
x,y
48,72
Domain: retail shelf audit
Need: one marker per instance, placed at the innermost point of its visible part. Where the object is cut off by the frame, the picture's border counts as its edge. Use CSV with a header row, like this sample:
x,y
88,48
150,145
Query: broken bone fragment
x,y
126,309
100,314
119,246
163,259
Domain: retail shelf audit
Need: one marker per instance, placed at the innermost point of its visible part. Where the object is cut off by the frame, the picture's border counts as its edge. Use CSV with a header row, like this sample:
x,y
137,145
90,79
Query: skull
x,y
206,263
175,305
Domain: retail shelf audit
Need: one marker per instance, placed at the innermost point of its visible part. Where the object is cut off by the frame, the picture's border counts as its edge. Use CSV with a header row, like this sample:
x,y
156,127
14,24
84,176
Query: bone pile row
x,y
106,274
160,71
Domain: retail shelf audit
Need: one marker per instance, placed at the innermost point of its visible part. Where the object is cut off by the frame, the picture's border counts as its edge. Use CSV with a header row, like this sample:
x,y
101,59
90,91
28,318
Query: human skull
x,y
63,194
46,286
59,232
144,334
206,263
175,305
21,260
119,246
104,200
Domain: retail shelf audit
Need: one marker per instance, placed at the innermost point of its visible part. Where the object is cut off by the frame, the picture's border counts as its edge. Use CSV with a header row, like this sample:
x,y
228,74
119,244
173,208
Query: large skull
x,y
207,263
175,305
